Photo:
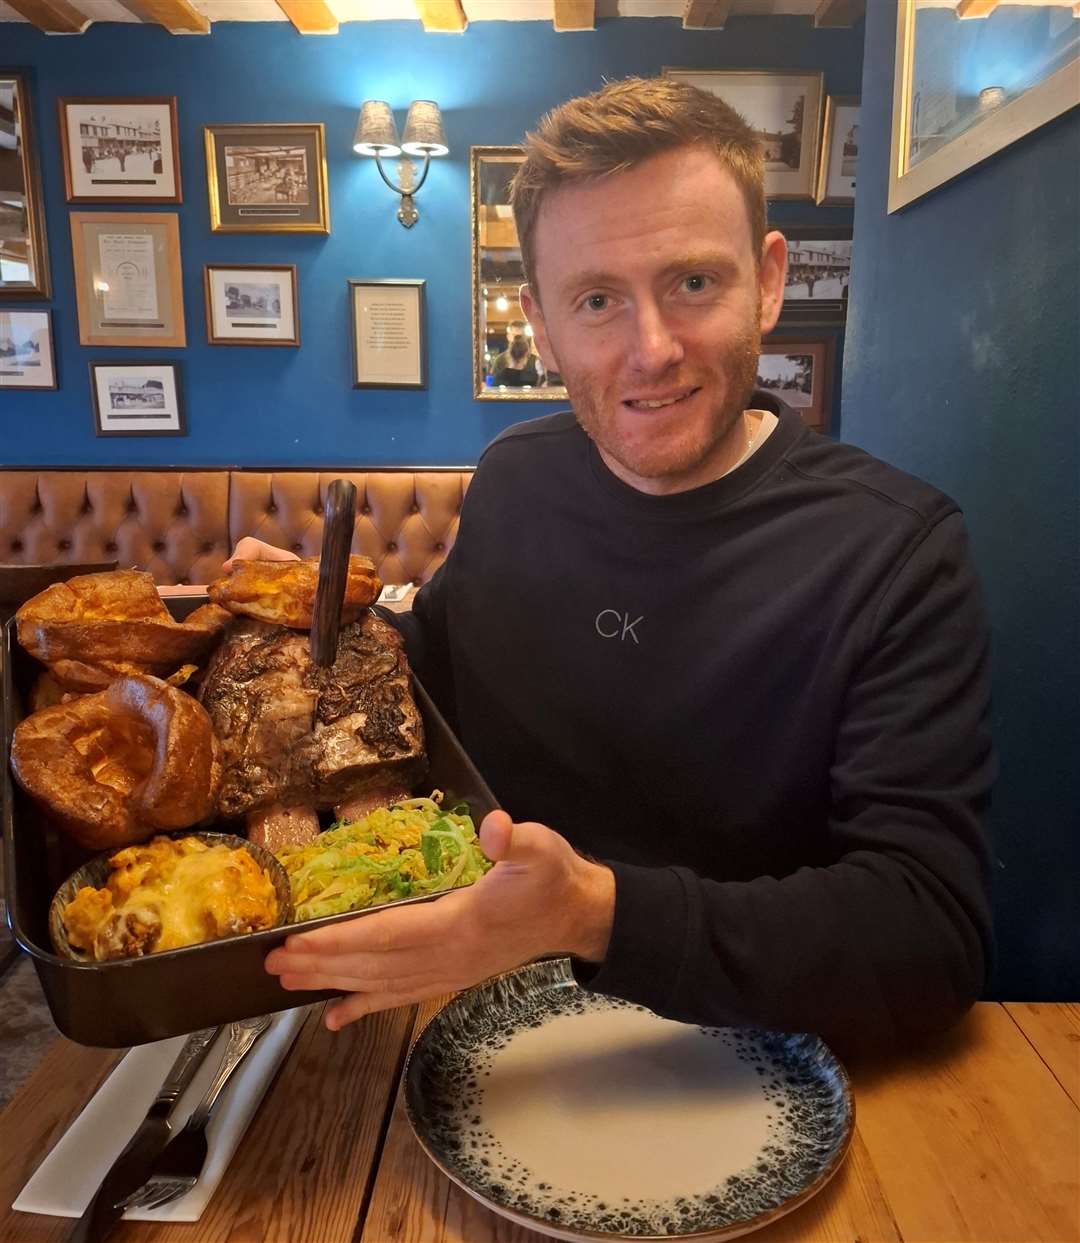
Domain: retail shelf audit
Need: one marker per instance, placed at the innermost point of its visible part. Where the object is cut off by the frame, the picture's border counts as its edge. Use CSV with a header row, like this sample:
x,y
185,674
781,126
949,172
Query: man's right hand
x,y
252,549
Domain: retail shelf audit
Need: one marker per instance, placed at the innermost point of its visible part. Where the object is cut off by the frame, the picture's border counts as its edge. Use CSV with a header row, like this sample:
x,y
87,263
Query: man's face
x,y
653,309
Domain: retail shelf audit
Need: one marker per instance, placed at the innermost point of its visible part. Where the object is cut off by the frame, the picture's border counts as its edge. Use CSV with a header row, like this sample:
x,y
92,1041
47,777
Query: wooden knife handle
x,y
333,571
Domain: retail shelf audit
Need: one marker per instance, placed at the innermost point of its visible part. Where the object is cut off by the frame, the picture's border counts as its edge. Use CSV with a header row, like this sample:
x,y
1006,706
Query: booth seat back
x,y
181,525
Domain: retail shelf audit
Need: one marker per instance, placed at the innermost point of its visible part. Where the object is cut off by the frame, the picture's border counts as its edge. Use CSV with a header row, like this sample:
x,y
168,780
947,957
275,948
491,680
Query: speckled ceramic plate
x,y
585,1117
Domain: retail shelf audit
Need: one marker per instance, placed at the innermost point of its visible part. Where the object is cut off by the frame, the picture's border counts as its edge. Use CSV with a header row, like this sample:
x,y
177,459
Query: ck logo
x,y
611,624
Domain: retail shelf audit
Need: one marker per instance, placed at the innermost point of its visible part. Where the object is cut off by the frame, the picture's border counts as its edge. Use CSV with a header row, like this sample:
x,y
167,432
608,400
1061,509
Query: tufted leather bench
x,y
181,525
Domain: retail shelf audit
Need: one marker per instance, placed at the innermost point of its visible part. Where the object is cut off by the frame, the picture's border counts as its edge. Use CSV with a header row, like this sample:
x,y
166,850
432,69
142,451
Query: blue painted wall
x,y
962,367
247,405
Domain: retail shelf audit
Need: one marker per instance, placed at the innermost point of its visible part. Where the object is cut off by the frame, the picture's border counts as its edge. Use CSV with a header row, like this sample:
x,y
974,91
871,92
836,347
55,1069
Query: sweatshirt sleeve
x,y
891,940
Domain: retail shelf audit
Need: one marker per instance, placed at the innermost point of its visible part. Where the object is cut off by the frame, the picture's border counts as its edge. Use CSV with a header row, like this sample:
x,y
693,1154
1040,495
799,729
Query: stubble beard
x,y
677,455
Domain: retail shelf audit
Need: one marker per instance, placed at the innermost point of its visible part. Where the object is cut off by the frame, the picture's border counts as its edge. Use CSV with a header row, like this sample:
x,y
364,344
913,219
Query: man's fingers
x,y
404,929
339,1014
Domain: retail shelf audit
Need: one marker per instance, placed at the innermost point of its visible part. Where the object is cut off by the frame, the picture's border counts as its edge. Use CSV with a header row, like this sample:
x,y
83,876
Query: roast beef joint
x,y
296,738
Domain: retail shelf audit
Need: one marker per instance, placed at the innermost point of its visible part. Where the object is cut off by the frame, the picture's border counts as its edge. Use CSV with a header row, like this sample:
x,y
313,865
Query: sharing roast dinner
x,y
141,727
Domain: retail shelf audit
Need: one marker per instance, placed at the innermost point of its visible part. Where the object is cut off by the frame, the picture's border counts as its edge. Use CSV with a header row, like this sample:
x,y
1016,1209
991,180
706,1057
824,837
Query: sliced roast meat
x,y
277,826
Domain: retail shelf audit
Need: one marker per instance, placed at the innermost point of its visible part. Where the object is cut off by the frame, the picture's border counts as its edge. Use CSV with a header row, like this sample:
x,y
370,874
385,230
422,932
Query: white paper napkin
x,y
65,1182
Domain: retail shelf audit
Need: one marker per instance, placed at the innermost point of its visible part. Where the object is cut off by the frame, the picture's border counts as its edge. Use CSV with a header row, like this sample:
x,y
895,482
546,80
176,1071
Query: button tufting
x,y
110,546
391,547
158,545
416,582
63,544
414,508
440,546
298,547
272,508
365,509
181,582
16,545
181,510
132,508
208,548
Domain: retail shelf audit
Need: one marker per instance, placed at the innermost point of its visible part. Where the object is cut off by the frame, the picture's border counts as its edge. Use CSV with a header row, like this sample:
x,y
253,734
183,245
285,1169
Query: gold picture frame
x,y
22,226
128,278
267,178
836,168
497,274
937,137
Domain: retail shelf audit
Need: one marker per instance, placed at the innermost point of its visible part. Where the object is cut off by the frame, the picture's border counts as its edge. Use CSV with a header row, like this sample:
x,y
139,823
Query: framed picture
x,y
965,87
389,349
128,284
818,272
26,350
251,304
799,371
839,150
267,178
120,150
137,399
784,109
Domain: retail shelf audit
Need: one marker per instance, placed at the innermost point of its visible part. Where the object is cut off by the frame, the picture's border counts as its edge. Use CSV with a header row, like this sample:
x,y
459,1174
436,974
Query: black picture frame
x,y
813,311
140,365
421,368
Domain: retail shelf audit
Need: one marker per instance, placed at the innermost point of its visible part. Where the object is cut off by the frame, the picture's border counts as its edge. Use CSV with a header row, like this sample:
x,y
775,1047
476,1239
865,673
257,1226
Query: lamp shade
x,y
376,131
423,130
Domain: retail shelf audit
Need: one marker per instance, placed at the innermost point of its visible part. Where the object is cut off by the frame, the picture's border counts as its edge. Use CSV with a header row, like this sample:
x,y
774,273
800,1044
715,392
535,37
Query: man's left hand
x,y
540,898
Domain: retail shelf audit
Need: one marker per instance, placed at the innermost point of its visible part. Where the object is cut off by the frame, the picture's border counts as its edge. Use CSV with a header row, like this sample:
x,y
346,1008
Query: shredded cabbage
x,y
404,851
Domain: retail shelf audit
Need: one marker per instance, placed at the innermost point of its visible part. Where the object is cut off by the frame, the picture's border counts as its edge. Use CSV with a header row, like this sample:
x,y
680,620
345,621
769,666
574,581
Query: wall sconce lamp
x,y
376,135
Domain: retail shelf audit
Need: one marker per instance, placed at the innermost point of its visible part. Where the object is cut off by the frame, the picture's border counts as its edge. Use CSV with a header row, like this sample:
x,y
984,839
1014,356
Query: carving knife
x,y
132,1167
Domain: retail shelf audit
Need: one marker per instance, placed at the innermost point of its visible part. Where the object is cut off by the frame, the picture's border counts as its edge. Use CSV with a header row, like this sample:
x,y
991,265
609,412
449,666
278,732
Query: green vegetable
x,y
410,849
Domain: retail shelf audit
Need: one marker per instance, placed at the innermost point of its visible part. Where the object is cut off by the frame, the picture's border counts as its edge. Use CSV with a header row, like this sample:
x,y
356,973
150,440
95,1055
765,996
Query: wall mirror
x,y
24,265
506,366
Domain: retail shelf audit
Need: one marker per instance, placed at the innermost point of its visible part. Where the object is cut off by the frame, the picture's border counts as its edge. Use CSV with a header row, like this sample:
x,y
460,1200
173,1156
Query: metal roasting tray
x,y
132,1001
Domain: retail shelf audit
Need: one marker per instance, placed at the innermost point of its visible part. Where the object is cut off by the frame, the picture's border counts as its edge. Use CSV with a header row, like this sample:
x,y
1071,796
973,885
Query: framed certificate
x,y
137,399
26,350
120,150
251,304
388,345
128,284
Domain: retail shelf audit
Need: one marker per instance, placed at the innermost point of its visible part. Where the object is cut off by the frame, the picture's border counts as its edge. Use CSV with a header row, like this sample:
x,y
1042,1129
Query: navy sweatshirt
x,y
763,702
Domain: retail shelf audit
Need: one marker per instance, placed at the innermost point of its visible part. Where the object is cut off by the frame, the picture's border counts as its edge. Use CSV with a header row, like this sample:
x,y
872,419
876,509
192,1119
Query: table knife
x,y
132,1167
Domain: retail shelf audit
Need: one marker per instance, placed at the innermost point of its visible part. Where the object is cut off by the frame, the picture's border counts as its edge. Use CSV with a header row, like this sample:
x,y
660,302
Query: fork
x,y
178,1167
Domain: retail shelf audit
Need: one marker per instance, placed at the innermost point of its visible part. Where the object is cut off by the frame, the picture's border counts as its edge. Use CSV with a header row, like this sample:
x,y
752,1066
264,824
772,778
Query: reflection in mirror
x,y
506,365
24,268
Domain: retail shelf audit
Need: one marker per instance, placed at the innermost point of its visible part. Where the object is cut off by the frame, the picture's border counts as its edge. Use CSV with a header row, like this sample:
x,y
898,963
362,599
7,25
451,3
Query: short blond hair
x,y
621,125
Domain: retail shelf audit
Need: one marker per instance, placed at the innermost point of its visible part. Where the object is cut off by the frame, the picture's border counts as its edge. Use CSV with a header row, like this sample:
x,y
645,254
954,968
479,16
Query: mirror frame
x,y
481,392
40,288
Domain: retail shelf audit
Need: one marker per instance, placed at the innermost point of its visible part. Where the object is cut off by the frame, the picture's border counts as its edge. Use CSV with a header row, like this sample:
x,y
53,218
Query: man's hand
x,y
251,549
539,898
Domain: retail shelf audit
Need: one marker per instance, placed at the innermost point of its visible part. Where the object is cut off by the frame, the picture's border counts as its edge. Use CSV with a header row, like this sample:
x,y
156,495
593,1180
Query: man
x,y
741,664
515,331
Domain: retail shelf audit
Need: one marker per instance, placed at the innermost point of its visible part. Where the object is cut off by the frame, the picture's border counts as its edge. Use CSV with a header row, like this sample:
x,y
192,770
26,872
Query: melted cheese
x,y
168,894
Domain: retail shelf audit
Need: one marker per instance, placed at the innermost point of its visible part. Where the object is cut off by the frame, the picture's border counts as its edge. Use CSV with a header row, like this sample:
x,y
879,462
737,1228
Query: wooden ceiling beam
x,y
575,14
310,17
177,16
441,16
705,14
975,8
55,17
839,12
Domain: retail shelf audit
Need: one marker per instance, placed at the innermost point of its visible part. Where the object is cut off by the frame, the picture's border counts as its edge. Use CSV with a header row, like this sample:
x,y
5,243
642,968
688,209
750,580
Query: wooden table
x,y
974,1140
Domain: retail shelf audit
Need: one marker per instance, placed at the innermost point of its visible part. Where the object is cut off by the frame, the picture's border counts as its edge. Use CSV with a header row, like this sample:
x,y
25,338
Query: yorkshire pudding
x,y
95,627
283,592
117,766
